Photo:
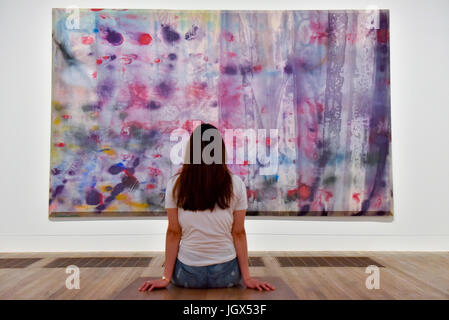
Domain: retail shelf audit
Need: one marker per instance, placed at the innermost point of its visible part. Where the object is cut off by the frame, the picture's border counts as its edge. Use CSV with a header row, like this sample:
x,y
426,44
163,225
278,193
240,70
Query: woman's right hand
x,y
258,284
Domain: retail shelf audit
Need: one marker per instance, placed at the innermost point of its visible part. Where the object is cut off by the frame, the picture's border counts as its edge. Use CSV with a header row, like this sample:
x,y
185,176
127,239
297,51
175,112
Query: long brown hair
x,y
201,186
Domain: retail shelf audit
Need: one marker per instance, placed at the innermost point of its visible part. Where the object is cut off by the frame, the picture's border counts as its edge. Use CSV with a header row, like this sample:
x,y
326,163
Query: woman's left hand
x,y
152,284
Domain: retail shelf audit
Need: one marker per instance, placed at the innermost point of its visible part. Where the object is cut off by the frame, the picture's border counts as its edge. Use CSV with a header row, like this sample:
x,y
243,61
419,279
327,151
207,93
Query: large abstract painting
x,y
316,83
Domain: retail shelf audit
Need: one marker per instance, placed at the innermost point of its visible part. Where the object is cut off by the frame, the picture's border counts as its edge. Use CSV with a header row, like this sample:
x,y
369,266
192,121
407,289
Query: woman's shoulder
x,y
237,181
172,180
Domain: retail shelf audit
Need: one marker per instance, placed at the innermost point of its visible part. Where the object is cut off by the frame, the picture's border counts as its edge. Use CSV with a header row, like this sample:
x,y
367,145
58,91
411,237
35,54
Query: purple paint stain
x,y
116,168
304,209
169,34
58,190
164,89
136,162
105,89
192,34
154,105
114,38
245,70
130,182
93,197
117,189
288,69
230,69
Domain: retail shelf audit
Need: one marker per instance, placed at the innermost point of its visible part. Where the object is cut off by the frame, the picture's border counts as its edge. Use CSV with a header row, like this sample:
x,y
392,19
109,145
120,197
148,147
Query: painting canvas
x,y
124,80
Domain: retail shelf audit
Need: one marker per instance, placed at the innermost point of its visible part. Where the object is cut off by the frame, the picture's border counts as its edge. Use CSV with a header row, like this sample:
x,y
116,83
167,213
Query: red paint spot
x,y
145,39
228,36
319,33
268,141
355,196
232,54
96,9
154,171
99,61
245,163
382,35
351,38
60,144
87,40
157,155
157,60
66,116
304,192
251,194
292,193
318,37
151,186
328,195
94,75
190,125
105,57
257,68
101,198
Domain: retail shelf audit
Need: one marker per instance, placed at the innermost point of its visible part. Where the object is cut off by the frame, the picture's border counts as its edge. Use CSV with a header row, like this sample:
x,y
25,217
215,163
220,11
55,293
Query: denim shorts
x,y
221,275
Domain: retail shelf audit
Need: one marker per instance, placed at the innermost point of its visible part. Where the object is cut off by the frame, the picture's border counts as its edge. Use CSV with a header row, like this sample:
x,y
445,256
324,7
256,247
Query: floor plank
x,y
405,275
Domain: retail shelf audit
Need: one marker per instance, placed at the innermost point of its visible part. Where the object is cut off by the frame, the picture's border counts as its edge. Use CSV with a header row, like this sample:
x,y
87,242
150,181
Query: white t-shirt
x,y
206,235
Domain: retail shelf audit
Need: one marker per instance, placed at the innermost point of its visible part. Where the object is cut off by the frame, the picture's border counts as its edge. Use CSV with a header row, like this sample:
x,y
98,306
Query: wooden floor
x,y
404,275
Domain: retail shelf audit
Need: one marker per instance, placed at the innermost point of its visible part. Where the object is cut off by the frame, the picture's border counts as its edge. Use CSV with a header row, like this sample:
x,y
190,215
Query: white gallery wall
x,y
419,33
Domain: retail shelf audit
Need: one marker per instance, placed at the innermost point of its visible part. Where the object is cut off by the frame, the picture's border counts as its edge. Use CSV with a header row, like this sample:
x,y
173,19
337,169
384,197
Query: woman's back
x,y
206,205
206,235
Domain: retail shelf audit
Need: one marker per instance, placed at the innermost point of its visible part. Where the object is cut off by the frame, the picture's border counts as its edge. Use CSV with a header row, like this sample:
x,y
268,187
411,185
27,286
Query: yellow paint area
x,y
108,150
126,199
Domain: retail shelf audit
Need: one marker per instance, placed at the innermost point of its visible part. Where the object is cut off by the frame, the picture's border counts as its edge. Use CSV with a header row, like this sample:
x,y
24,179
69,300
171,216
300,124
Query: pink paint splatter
x,y
228,36
154,171
355,196
257,68
87,40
